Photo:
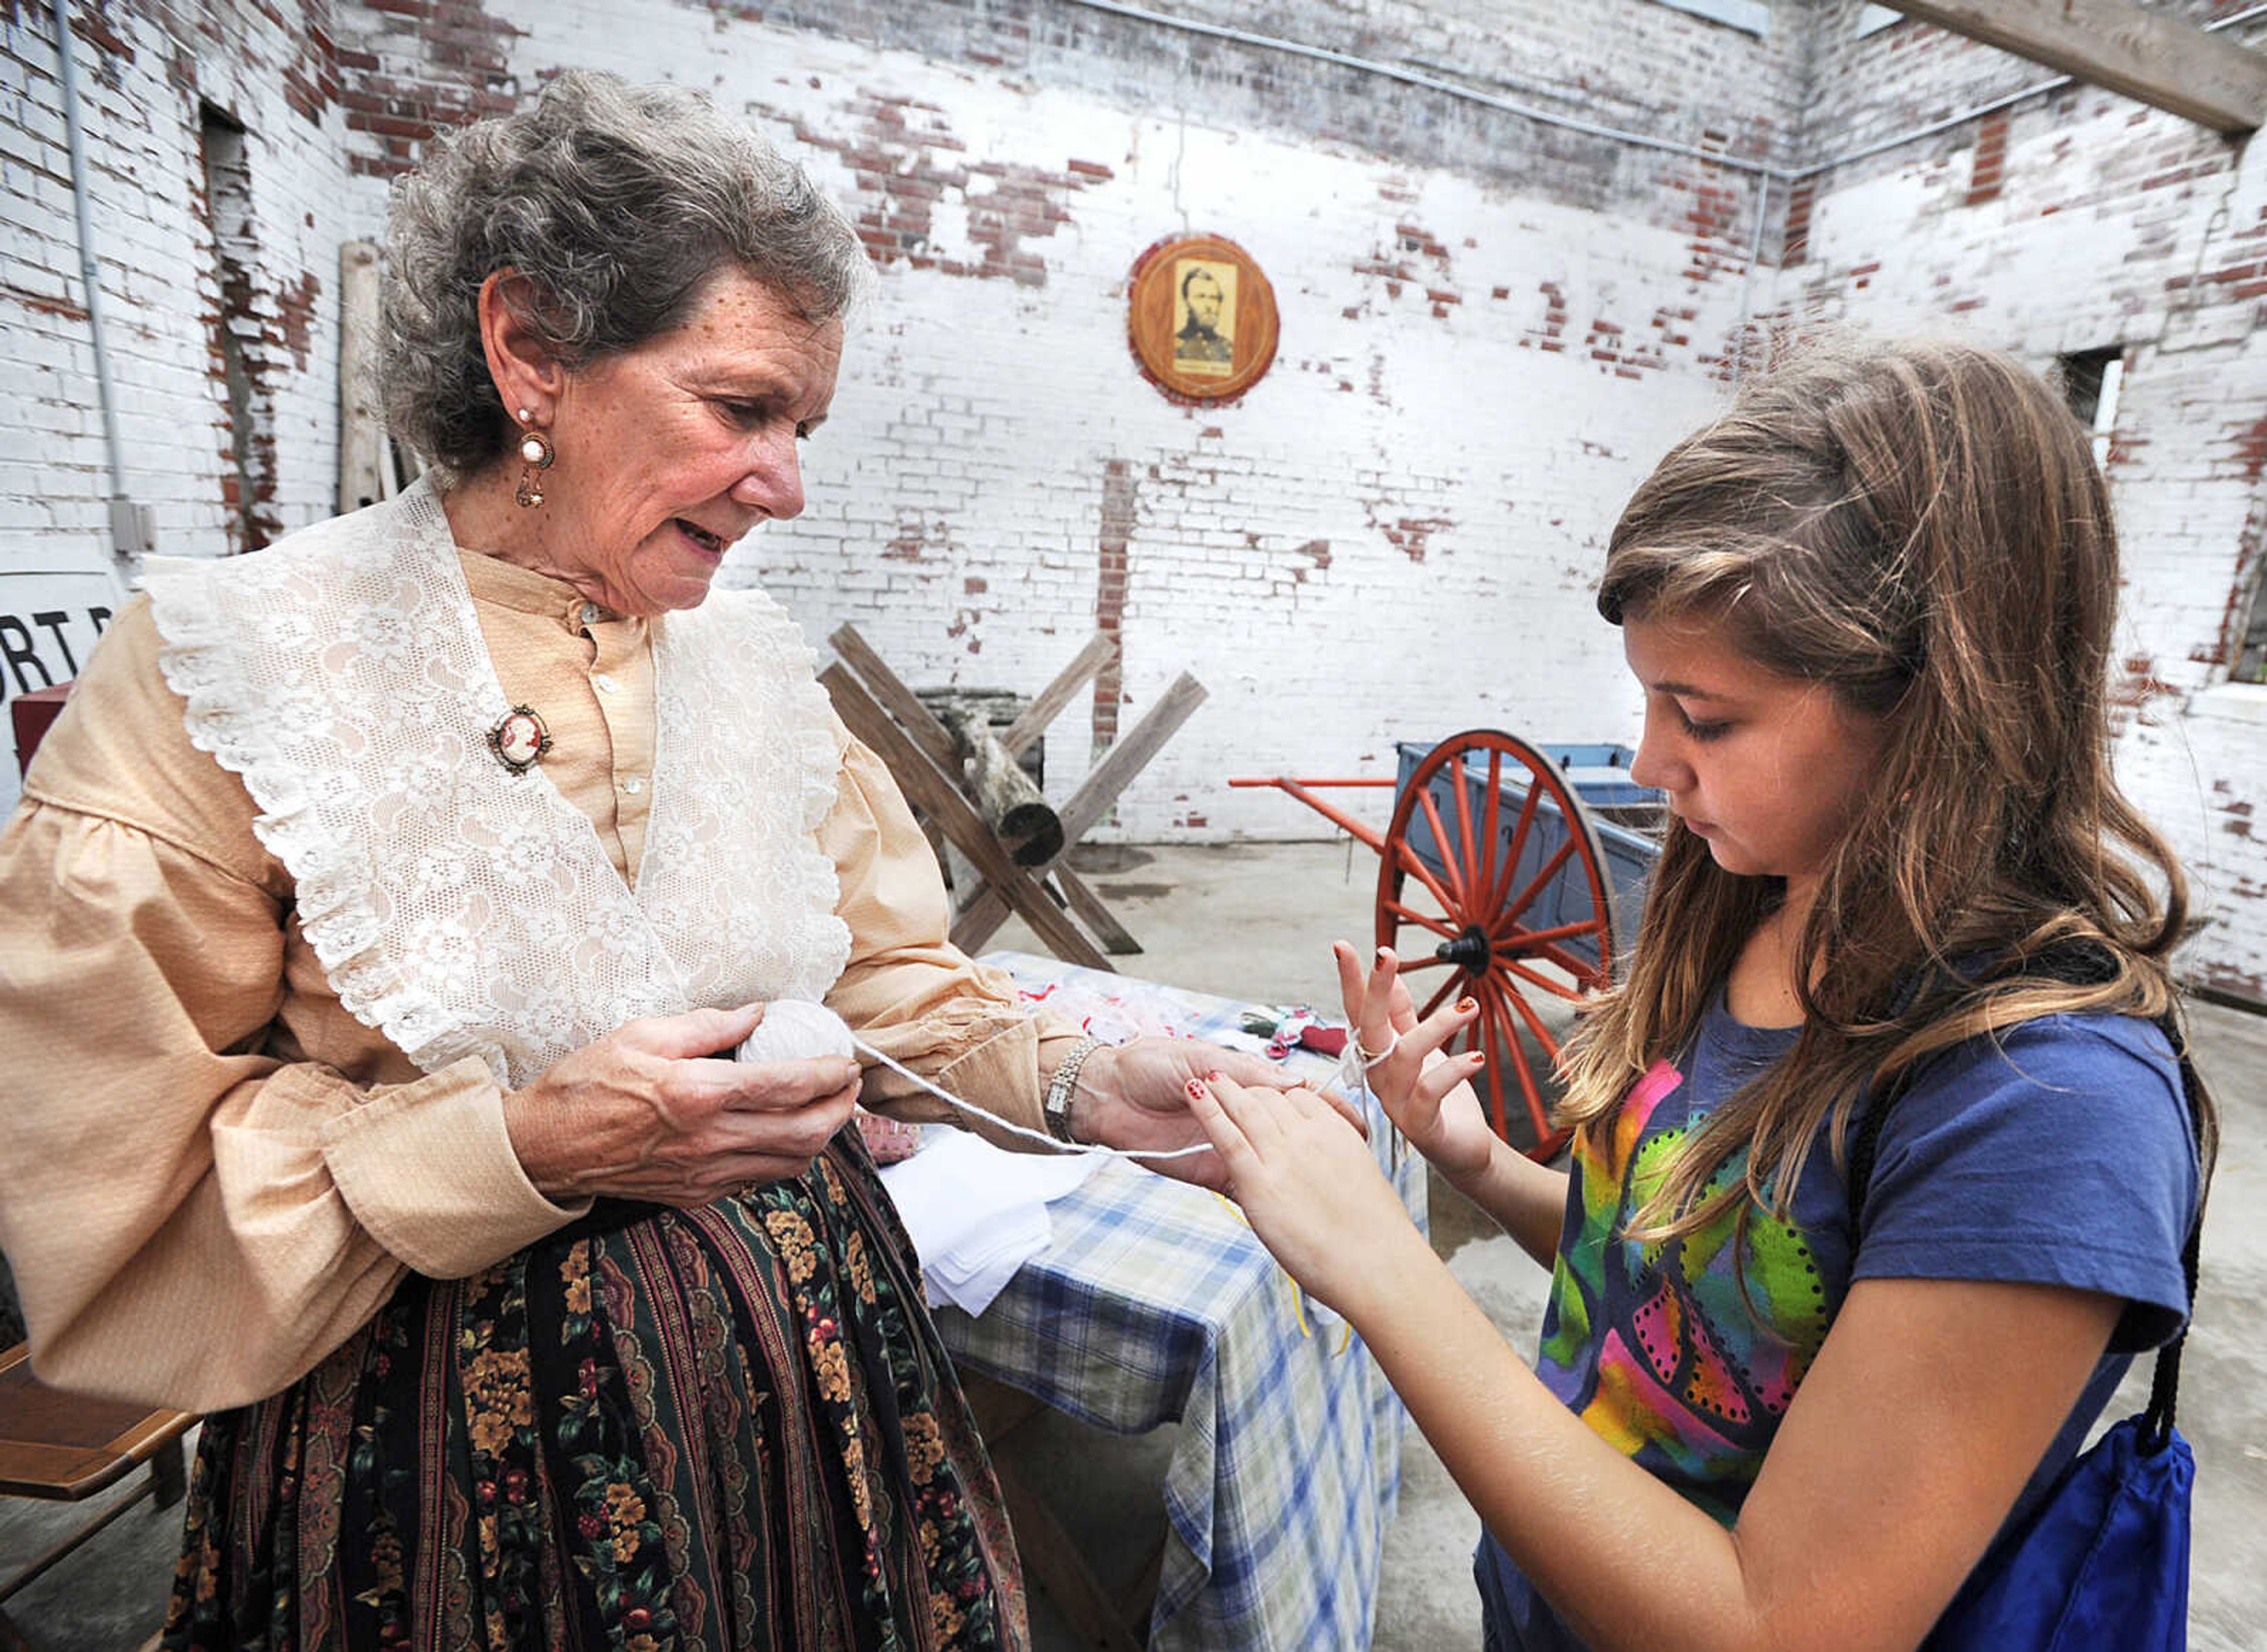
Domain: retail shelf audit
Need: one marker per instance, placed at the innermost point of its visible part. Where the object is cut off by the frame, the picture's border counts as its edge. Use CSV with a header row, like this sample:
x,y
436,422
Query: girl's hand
x,y
1135,1096
1311,1189
1429,1095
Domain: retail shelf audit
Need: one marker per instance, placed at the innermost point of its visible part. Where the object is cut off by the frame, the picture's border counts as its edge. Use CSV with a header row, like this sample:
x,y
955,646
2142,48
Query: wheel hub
x,y
1468,951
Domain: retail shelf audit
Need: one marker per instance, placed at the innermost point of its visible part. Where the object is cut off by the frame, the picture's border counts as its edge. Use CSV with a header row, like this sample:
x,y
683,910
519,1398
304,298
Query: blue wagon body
x,y
1599,776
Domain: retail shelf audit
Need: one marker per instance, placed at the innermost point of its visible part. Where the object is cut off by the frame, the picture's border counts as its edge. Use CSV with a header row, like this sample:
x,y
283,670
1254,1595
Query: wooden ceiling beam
x,y
2164,61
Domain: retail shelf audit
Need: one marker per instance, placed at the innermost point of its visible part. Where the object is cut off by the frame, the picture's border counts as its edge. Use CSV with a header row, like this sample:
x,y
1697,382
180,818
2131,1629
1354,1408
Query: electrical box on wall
x,y
133,528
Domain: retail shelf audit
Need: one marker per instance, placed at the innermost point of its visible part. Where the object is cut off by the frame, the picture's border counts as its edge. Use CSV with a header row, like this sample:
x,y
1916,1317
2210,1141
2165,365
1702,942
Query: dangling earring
x,y
536,454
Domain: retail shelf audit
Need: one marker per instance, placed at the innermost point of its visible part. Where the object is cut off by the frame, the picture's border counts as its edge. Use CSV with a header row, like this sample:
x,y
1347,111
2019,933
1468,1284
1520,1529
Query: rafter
x,y
2162,61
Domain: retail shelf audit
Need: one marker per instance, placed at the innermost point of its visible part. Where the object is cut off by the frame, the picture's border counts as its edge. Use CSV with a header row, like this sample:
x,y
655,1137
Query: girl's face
x,y
1767,768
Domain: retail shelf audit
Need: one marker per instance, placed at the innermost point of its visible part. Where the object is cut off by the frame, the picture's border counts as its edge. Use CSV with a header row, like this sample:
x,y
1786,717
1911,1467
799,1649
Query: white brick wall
x,y
2114,226
1490,328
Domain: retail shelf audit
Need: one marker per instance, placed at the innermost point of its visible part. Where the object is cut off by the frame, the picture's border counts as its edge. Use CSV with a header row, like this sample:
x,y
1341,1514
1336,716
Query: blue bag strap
x,y
2078,964
2165,1380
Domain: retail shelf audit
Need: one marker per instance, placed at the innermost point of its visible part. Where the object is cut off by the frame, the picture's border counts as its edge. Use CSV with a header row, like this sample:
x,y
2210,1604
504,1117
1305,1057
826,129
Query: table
x,y
1154,1302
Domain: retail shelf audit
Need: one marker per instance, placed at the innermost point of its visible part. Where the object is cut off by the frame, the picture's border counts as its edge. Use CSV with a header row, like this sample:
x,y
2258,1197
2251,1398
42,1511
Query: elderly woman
x,y
377,918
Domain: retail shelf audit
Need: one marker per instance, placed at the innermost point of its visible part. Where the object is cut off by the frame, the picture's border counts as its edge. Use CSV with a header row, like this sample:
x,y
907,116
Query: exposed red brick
x,y
1794,241
1111,543
1991,152
900,151
45,306
295,307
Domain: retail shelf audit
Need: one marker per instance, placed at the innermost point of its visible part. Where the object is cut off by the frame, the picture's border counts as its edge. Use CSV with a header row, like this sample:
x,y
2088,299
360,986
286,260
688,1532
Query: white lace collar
x,y
462,910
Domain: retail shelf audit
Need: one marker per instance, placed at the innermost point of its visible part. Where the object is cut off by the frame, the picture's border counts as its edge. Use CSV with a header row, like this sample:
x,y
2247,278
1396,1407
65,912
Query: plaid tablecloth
x,y
1154,1301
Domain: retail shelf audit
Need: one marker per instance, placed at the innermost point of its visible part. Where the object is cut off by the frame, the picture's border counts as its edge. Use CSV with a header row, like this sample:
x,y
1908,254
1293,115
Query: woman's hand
x,y
1312,1190
1135,1096
1429,1095
653,1111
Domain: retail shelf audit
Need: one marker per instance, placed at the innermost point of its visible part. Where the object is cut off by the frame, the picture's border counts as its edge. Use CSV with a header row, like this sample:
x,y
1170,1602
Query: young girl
x,y
1870,610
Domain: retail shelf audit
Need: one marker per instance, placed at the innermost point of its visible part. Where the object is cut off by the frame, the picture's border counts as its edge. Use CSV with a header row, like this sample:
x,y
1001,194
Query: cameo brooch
x,y
519,739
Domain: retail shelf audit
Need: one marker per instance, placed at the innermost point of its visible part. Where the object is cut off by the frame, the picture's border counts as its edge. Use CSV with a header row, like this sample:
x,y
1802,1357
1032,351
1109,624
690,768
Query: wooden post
x,y
983,914
2167,62
364,465
929,786
952,751
1100,650
1026,822
1130,756
934,738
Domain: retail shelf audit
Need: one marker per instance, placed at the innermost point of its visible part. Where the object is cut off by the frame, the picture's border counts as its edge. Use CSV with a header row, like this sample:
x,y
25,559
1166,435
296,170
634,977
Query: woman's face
x,y
1769,769
669,452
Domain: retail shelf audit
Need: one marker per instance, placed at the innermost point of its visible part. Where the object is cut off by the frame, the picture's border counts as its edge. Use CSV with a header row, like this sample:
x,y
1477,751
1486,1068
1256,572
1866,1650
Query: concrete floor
x,y
1254,922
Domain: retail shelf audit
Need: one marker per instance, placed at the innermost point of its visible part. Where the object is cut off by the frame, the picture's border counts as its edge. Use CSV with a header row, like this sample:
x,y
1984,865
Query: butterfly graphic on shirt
x,y
1696,1343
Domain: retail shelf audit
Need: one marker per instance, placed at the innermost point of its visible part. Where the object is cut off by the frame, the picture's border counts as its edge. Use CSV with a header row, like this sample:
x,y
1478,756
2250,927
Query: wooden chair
x,y
32,713
66,1448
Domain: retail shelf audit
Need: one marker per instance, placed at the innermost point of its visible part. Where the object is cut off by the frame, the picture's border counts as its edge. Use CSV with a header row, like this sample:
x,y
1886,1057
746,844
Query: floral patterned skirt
x,y
727,1428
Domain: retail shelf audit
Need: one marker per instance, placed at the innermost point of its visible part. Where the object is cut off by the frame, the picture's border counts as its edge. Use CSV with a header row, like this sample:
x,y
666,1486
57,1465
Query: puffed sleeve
x,y
192,1220
908,989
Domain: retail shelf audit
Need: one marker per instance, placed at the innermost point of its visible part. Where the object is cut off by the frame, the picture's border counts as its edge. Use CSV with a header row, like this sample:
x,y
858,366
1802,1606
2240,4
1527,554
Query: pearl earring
x,y
536,454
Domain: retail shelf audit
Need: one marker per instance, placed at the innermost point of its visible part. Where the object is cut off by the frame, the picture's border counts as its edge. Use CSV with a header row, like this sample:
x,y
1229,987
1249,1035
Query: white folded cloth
x,y
975,1213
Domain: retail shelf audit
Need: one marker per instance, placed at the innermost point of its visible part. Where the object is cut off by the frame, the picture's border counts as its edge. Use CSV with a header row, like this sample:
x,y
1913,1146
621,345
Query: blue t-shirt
x,y
2060,1154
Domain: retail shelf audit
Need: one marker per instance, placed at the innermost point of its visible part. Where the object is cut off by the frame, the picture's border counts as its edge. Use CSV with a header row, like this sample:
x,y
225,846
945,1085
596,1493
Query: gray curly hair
x,y
616,203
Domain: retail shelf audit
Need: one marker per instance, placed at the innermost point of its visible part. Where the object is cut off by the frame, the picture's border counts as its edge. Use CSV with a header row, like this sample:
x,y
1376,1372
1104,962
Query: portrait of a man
x,y
1201,318
1204,345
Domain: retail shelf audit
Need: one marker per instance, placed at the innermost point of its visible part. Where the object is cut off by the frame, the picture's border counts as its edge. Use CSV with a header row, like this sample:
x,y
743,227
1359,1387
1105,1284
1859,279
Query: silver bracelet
x,y
1063,1086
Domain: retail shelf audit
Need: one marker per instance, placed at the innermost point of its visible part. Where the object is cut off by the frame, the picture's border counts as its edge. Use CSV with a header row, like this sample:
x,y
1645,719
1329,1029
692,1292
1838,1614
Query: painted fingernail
x,y
1215,1077
1479,1058
1196,1090
1466,1006
1381,955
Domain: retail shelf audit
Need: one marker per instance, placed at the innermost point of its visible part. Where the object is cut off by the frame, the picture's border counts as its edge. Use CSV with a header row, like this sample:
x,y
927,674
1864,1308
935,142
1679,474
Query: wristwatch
x,y
1063,1086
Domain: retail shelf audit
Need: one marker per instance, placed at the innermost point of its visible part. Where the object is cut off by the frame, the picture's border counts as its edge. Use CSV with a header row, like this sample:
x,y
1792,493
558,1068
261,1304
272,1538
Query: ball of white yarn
x,y
793,1028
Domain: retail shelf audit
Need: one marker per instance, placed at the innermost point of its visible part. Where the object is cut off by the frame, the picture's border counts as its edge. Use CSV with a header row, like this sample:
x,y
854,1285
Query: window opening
x,y
246,484
2252,657
2090,379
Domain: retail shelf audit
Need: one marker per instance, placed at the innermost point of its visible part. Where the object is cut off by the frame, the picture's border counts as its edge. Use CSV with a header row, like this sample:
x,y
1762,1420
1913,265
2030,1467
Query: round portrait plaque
x,y
1203,318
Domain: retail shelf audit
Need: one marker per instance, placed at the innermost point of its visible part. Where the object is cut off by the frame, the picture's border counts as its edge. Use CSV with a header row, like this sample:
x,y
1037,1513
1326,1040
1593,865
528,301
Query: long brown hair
x,y
1921,527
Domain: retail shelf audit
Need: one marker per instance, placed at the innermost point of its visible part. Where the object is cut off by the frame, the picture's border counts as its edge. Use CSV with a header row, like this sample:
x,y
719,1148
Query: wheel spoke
x,y
1533,1020
1491,813
1589,976
1434,1002
1440,843
1541,983
1499,1085
1508,1036
1411,966
1418,918
1470,872
1414,864
1488,1084
1515,847
1509,913
1524,941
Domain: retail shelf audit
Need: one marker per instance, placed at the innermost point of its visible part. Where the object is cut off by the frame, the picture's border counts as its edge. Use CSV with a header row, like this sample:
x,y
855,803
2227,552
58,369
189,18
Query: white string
x,y
1055,1143
1370,1060
1353,1074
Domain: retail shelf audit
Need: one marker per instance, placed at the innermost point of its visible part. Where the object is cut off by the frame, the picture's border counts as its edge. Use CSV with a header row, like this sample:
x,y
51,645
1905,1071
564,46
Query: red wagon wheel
x,y
1491,883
